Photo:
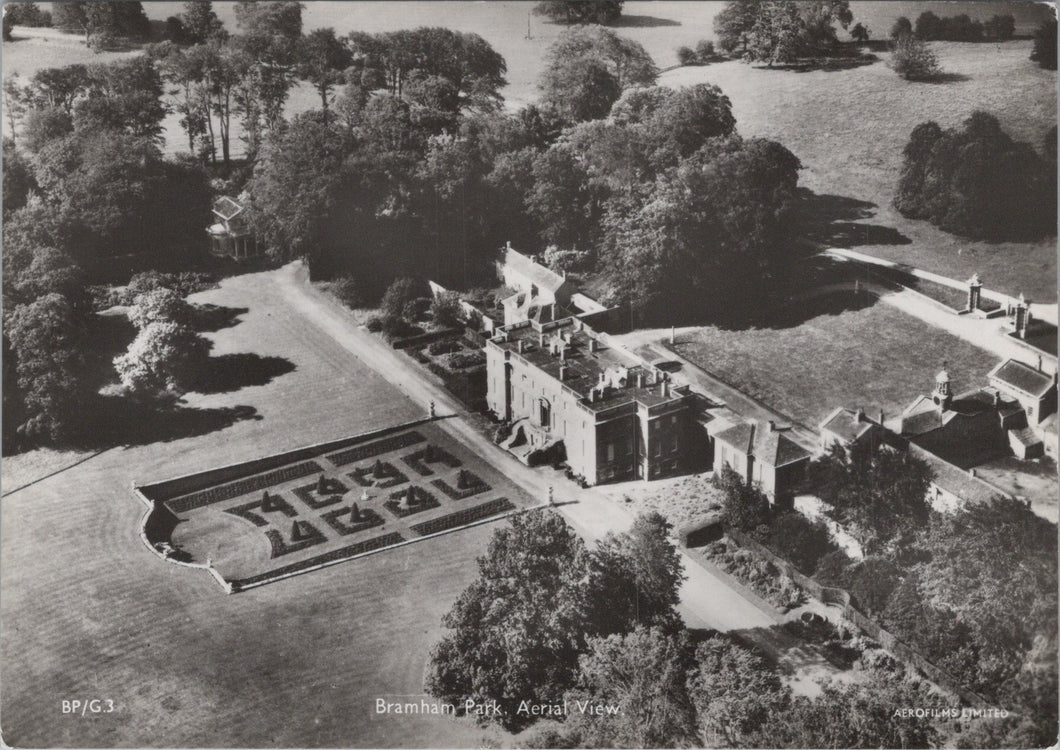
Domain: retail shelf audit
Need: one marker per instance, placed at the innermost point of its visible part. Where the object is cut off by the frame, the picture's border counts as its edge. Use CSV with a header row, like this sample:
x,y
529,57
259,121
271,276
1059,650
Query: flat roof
x,y
583,368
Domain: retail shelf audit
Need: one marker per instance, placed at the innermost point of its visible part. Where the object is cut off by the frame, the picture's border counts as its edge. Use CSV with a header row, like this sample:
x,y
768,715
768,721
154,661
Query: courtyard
x,y
304,511
842,349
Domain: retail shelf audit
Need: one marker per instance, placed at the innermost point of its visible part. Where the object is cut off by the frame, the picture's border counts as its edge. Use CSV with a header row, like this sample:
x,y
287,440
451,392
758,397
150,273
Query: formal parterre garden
x,y
334,506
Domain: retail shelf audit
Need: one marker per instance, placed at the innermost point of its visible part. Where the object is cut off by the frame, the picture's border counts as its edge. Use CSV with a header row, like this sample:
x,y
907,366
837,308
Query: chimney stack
x,y
519,346
881,417
541,339
592,344
562,373
859,415
772,426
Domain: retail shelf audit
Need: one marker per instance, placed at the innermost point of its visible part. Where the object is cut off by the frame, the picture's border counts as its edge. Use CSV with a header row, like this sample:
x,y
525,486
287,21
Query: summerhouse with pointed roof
x,y
230,235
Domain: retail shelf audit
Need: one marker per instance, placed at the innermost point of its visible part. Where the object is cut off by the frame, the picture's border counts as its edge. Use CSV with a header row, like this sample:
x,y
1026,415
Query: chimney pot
x,y
881,417
971,472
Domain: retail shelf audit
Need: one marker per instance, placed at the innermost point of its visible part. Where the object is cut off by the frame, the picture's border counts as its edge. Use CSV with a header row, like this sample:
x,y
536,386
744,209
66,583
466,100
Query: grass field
x,y
87,610
848,127
842,354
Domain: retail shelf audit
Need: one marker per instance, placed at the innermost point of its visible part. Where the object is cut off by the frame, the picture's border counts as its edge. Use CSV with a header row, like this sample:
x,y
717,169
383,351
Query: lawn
x,y
842,354
87,610
848,127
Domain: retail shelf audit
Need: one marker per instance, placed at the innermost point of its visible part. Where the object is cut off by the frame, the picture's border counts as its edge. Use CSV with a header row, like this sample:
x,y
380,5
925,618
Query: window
x,y
673,447
610,451
673,419
656,449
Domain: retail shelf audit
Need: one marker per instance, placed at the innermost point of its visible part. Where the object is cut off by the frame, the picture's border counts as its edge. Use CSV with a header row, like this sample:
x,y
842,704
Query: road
x,y
709,599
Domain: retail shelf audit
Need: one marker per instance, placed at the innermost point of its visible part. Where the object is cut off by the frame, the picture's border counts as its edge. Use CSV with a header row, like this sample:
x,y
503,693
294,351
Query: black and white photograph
x,y
529,374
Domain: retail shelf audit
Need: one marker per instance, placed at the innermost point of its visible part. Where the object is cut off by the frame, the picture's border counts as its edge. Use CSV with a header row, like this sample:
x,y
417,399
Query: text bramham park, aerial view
x,y
529,374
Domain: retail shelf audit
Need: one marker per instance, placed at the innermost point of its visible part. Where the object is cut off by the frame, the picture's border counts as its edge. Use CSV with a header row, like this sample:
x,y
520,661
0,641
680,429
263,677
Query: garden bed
x,y
773,585
371,450
474,485
424,501
282,547
340,520
242,487
252,511
463,517
368,545
308,494
388,476
432,454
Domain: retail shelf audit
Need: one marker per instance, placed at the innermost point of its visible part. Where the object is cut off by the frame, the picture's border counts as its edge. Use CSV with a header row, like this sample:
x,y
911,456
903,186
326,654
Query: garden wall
x,y
841,598
425,338
170,488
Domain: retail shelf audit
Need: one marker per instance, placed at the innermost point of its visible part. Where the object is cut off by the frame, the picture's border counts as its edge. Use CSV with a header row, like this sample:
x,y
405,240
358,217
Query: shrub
x,y
159,306
396,327
743,507
461,360
398,295
902,27
912,60
443,347
705,50
871,583
374,324
799,540
832,569
566,260
348,291
185,283
687,56
163,356
415,309
446,310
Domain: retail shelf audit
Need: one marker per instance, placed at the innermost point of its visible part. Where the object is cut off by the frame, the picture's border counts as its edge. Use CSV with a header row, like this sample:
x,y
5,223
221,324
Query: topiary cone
x,y
322,485
266,500
355,514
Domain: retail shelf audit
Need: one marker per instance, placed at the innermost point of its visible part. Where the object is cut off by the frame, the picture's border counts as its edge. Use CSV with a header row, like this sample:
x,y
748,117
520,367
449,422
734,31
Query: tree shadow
x,y
231,372
826,63
125,420
642,22
208,318
835,220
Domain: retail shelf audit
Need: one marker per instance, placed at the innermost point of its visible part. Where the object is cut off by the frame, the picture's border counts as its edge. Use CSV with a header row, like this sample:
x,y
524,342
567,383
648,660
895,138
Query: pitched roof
x,y
738,436
952,479
846,423
544,277
777,449
921,416
226,208
1023,378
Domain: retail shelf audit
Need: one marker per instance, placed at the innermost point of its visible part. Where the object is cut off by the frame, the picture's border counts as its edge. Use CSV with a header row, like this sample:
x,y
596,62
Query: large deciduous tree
x,y
975,181
1044,51
580,11
164,356
322,60
46,337
517,630
587,68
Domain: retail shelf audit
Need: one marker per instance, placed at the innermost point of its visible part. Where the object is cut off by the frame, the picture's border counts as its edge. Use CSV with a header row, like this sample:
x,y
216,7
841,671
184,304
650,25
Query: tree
x,y
116,18
776,36
1000,28
975,181
687,56
71,17
731,196
398,295
879,495
641,677
819,21
825,721
1044,52
164,356
123,96
18,180
734,692
860,33
580,11
517,630
296,185
199,21
465,60
561,200
800,540
322,60
27,14
637,576
8,25
743,507
445,309
270,19
733,24
47,336
160,305
871,582
587,68
902,27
